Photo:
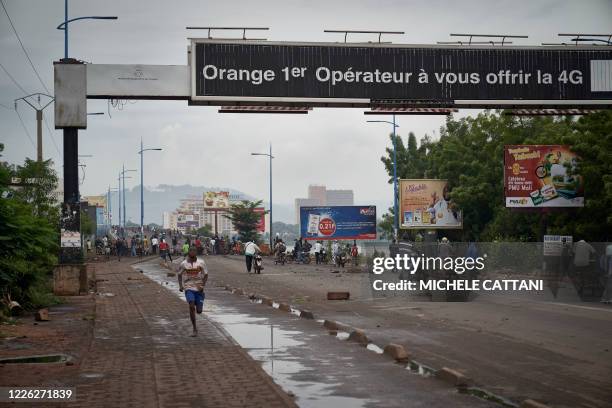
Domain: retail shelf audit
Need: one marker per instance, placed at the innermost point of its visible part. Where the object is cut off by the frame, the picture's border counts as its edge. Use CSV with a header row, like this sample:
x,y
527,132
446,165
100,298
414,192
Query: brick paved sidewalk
x,y
142,356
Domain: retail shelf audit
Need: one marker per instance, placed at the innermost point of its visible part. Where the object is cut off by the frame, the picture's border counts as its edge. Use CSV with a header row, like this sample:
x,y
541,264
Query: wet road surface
x,y
319,369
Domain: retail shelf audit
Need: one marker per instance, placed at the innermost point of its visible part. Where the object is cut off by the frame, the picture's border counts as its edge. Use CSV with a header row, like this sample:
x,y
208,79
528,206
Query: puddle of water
x,y
342,335
92,375
420,369
45,359
275,348
373,347
487,396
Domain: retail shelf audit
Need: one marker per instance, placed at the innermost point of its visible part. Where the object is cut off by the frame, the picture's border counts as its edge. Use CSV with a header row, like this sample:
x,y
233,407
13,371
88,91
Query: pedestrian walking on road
x,y
192,277
118,248
318,248
355,253
250,249
154,244
186,248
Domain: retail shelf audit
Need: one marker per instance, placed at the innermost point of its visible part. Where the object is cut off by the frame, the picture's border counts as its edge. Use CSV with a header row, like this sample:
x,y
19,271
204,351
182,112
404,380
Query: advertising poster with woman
x,y
542,176
426,204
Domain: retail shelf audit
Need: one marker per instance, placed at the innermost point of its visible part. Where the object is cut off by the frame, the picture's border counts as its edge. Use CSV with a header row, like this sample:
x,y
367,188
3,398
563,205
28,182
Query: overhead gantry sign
x,y
250,73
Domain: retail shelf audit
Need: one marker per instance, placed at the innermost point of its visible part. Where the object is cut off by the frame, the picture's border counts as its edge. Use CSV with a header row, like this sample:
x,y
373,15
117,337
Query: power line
x,y
13,79
25,128
23,48
52,137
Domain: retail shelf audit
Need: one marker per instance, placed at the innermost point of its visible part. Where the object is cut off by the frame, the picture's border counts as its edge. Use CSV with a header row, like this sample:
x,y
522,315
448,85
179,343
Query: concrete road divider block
x,y
306,314
266,300
284,307
330,325
42,315
452,377
338,295
397,352
359,336
529,403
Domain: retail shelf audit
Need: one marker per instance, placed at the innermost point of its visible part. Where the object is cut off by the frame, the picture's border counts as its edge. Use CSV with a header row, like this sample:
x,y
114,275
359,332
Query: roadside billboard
x,y
261,223
332,74
542,176
338,222
426,204
216,199
187,221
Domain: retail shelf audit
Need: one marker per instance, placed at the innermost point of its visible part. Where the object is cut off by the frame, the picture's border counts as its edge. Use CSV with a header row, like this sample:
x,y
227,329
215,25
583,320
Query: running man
x,y
196,275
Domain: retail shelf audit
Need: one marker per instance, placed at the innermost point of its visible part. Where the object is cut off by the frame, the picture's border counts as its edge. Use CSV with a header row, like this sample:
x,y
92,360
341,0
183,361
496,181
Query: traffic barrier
x,y
452,377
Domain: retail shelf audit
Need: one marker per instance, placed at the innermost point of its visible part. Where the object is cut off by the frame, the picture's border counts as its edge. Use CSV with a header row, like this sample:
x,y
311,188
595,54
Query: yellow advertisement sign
x,y
426,204
216,199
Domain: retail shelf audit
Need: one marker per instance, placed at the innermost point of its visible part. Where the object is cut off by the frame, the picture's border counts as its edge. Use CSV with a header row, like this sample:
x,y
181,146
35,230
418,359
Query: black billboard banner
x,y
360,74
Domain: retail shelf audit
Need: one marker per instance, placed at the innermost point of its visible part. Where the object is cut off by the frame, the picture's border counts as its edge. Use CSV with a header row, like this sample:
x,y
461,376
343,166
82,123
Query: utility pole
x,y
39,119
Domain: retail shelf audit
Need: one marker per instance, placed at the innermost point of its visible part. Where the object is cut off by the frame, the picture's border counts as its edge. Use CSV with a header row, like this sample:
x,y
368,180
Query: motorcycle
x,y
341,259
257,264
280,258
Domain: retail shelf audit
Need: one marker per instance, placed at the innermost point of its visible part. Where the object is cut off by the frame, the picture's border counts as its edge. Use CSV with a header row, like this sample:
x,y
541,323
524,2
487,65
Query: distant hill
x,y
167,197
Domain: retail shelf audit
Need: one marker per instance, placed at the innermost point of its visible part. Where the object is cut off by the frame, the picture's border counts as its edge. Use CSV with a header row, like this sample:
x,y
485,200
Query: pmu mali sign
x,y
542,176
338,222
328,74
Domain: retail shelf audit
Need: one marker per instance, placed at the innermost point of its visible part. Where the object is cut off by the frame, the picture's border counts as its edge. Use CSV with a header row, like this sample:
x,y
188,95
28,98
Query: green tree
x,y
469,154
28,235
204,231
245,219
40,182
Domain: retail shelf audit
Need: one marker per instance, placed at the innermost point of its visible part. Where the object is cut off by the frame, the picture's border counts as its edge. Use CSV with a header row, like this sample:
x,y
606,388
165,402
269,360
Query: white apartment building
x,y
320,196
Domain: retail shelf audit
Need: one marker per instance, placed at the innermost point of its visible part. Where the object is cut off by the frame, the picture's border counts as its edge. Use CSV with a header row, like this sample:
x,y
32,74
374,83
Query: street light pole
x,y
141,152
123,177
119,197
270,157
64,25
271,237
395,195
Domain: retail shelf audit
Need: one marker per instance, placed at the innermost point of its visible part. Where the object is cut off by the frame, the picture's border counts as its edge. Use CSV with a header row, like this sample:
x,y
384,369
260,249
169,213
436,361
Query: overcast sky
x,y
335,147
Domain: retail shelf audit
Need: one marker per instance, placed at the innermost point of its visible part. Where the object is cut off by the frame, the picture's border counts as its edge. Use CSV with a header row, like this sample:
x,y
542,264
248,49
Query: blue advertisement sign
x,y
338,222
